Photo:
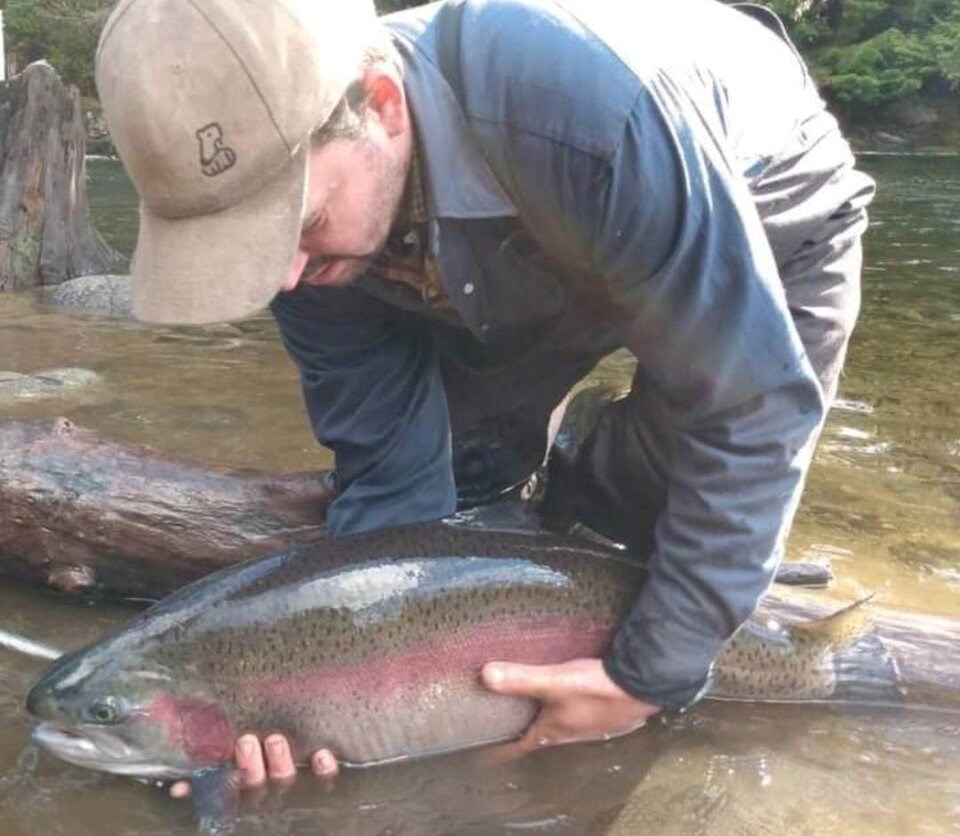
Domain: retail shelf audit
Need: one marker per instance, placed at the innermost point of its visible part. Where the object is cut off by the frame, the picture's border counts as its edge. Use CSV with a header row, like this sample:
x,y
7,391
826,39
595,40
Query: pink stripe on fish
x,y
546,640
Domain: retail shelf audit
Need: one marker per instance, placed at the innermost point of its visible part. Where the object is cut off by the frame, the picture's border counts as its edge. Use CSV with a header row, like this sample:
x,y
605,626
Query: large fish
x,y
371,645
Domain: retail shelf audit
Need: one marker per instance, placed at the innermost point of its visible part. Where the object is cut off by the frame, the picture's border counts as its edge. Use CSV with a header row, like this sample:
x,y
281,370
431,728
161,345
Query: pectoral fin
x,y
216,798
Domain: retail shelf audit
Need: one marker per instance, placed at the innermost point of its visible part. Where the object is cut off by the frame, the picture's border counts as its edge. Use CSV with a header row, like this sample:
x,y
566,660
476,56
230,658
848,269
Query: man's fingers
x,y
249,758
535,681
280,765
324,764
180,789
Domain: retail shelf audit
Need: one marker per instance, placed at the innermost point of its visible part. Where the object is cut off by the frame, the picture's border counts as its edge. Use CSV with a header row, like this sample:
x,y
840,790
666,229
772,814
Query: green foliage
x,y
878,71
945,42
62,32
862,19
865,53
65,33
869,53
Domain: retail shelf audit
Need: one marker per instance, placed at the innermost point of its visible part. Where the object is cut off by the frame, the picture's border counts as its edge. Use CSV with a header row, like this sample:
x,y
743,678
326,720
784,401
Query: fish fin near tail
x,y
216,798
841,628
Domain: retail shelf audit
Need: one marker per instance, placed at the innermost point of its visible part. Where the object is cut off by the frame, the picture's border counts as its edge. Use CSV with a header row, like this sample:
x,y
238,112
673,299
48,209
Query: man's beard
x,y
391,187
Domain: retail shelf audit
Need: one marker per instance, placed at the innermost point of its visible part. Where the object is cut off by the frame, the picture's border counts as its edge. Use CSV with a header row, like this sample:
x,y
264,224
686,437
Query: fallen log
x,y
46,235
91,517
98,519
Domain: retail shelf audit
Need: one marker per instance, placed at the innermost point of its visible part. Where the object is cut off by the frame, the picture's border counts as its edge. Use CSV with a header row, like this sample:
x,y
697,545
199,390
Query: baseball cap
x,y
211,104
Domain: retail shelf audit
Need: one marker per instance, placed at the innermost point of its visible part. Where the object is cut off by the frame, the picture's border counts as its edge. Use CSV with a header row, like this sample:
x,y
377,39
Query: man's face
x,y
354,192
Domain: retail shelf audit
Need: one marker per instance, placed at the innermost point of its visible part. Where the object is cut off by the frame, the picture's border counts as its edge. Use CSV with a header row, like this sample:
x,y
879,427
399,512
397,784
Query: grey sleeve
x,y
686,258
374,396
671,234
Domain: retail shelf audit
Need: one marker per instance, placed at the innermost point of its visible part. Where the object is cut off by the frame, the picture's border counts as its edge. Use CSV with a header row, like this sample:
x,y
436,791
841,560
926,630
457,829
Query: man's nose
x,y
296,271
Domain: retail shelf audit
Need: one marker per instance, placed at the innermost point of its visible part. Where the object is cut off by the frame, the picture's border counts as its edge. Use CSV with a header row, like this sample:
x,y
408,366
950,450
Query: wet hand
x,y
579,702
272,760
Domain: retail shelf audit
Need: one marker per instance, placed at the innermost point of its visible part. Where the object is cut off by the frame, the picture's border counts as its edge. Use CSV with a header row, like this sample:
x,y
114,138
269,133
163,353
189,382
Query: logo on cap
x,y
215,157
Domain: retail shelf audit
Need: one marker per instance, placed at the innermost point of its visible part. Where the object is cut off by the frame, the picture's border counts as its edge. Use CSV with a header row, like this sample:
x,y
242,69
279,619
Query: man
x,y
464,221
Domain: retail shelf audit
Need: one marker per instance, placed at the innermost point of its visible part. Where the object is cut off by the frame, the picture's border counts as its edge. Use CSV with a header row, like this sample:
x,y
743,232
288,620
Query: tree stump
x,y
46,235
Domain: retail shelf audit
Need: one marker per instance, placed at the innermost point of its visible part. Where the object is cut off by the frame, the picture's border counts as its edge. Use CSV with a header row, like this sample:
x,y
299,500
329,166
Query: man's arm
x,y
730,387
671,234
374,396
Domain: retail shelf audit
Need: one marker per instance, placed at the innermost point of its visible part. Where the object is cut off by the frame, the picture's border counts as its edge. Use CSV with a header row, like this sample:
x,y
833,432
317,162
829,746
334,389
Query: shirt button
x,y
468,288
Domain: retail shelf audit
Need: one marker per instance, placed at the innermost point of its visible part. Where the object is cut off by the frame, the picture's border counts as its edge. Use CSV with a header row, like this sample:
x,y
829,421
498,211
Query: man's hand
x,y
272,760
579,702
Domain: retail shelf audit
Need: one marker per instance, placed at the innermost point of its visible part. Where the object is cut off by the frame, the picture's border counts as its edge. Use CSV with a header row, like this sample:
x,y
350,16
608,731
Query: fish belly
x,y
422,700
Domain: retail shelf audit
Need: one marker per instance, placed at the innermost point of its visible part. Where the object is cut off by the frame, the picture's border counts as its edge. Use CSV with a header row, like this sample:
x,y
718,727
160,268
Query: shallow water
x,y
883,504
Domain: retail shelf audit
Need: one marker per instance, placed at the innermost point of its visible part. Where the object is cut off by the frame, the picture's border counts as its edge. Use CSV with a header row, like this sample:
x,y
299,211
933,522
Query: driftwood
x,y
902,659
96,518
46,235
90,517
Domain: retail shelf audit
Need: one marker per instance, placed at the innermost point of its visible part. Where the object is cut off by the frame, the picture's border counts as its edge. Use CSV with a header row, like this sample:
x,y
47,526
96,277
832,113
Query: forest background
x,y
889,68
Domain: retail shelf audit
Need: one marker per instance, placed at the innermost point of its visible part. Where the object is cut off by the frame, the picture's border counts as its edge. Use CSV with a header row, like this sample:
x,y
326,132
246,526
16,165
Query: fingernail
x,y
495,675
247,748
324,764
276,745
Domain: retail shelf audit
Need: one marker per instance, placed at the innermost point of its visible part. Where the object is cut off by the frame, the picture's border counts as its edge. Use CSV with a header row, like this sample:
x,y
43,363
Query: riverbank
x,y
921,125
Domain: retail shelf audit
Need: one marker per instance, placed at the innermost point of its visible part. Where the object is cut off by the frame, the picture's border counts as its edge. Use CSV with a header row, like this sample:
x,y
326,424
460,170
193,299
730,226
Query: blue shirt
x,y
667,156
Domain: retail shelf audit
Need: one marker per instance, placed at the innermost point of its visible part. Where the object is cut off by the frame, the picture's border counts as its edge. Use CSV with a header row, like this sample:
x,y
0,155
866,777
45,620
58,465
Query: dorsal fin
x,y
506,515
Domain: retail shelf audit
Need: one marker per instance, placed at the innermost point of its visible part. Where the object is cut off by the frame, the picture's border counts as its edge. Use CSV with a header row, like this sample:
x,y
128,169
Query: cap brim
x,y
221,266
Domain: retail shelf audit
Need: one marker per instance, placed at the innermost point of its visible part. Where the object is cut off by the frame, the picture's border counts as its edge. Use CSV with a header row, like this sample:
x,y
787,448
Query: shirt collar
x,y
413,207
457,181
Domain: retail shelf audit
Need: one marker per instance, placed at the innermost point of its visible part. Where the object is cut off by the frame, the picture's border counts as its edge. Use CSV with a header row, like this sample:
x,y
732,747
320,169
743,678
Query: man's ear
x,y
387,99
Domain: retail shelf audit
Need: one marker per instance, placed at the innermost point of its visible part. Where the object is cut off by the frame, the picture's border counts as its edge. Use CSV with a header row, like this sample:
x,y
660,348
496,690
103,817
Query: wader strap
x,y
770,19
448,44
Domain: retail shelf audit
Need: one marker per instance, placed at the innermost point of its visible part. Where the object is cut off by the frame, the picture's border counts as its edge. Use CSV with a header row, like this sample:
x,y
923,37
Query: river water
x,y
882,504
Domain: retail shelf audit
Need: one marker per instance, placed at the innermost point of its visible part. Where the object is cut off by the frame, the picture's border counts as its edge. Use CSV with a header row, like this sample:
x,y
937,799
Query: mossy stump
x,y
46,235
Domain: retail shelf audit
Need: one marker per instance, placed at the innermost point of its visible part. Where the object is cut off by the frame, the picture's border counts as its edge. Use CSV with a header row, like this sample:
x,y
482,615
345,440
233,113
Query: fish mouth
x,y
96,749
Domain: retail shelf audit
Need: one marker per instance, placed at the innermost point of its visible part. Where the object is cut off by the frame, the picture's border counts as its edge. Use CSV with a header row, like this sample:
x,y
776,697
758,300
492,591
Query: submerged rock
x,y
107,295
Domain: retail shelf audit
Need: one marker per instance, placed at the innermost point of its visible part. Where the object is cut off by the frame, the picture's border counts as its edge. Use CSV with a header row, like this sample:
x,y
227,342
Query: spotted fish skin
x,y
768,660
771,661
371,645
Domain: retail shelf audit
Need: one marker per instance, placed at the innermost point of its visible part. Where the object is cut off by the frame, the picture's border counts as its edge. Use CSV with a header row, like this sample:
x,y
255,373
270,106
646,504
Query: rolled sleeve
x,y
374,396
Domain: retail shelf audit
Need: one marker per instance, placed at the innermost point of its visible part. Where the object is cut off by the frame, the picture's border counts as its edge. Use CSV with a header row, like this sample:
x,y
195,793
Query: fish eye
x,y
105,711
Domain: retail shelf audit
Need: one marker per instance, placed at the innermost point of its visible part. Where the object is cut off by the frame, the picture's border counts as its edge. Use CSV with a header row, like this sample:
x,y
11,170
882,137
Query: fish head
x,y
140,719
